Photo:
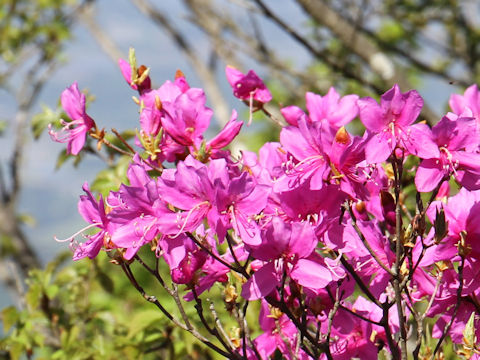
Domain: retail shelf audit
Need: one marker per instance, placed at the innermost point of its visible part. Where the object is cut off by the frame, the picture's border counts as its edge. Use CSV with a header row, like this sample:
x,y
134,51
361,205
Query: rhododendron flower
x,y
225,136
247,86
209,192
138,212
286,248
318,226
335,110
138,80
452,136
467,104
152,103
279,332
75,131
390,125
186,118
462,214
93,212
305,144
183,257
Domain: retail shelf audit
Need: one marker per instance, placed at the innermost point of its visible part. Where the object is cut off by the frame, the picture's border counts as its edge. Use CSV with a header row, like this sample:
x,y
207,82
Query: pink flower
x,y
138,212
186,118
467,104
462,214
226,135
286,248
183,257
452,137
390,125
75,131
135,79
247,86
279,332
93,212
332,108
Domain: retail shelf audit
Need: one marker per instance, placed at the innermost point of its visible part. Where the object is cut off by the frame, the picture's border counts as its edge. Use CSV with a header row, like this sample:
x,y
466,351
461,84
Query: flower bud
x,y
440,225
342,136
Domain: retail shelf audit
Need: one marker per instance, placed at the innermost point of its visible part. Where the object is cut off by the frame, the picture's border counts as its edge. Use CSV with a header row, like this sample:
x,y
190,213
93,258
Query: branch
x,y
360,45
205,74
317,53
128,272
399,249
457,306
364,240
87,17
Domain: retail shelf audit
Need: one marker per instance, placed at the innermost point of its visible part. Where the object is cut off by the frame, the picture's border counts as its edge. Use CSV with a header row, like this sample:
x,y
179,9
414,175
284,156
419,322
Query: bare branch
x,y
208,78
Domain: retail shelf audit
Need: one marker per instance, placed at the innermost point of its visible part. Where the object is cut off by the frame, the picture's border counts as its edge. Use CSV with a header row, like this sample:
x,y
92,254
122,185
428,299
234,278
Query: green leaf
x,y
42,119
143,320
62,158
3,126
469,332
391,31
51,291
16,351
33,295
26,219
10,316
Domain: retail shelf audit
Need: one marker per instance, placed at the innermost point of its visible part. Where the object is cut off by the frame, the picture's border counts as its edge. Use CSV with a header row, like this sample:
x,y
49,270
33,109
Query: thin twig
x,y
216,257
457,306
364,240
124,142
219,324
128,272
397,167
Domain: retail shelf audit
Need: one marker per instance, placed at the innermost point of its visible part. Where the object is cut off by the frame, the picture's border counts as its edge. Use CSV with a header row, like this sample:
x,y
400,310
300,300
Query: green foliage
x,y
84,311
3,126
24,23
63,157
89,310
41,120
111,178
391,31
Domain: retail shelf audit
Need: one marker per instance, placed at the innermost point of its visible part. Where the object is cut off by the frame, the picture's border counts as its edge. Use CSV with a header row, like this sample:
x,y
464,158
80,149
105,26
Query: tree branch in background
x,y
33,61
205,74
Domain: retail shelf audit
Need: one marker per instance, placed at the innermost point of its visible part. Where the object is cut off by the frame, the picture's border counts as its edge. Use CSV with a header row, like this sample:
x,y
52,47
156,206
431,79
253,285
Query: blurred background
x,y
362,46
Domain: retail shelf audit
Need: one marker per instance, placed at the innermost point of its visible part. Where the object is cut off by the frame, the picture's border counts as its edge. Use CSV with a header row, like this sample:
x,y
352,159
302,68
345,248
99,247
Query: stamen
x,y
190,212
77,233
250,106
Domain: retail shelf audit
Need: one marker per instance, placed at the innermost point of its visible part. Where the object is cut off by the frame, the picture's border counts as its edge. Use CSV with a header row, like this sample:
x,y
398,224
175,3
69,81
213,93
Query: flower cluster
x,y
322,227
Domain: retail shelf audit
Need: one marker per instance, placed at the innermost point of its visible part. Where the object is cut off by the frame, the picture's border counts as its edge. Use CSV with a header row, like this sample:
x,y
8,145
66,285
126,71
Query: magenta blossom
x,y
183,257
225,136
390,125
286,248
75,131
452,137
139,213
153,101
279,332
93,211
249,86
467,104
332,108
135,79
186,118
462,214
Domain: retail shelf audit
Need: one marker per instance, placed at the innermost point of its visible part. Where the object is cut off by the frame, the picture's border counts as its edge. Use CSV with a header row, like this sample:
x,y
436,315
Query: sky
x,y
50,195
